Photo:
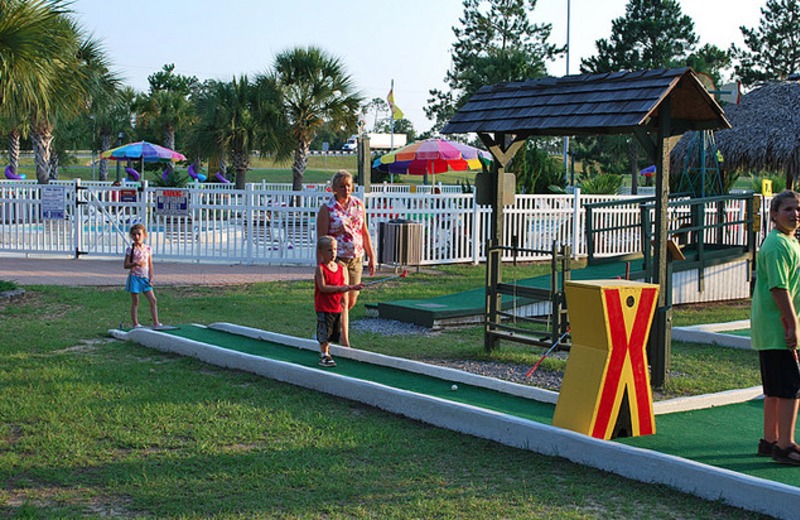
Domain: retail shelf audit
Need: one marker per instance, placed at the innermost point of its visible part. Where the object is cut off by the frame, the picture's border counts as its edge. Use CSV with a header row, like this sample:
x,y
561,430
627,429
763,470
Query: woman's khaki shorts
x,y
354,266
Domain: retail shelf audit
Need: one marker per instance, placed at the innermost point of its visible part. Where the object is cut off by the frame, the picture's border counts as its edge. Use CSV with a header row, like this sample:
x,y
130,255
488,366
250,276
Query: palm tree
x,y
30,41
167,106
81,70
112,113
238,118
314,88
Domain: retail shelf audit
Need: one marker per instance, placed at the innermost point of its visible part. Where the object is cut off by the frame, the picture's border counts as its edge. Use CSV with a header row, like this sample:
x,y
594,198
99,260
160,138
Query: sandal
x,y
765,448
790,455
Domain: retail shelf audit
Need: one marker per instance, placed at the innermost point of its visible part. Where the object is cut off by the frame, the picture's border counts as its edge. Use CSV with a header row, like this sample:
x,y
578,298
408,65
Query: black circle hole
x,y
631,301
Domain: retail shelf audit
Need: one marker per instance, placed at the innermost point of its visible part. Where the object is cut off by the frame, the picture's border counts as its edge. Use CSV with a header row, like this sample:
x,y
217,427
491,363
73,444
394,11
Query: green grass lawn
x,y
92,427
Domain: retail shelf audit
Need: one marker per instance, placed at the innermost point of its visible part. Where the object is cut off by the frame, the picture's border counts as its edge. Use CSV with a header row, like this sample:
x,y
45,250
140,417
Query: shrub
x,y
778,182
602,184
7,286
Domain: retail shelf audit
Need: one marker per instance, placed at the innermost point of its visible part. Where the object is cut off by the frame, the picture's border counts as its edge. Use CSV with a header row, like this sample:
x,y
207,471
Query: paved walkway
x,y
85,272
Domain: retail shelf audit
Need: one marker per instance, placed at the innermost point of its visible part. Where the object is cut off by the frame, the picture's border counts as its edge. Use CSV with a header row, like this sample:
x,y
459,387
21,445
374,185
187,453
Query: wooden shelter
x,y
764,133
653,105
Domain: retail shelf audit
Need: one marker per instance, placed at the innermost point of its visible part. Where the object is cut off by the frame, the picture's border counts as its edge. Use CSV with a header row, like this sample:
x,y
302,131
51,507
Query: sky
x,y
377,41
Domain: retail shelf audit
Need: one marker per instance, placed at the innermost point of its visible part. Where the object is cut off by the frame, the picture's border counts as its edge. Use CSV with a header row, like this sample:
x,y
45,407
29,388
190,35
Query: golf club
x,y
401,275
531,371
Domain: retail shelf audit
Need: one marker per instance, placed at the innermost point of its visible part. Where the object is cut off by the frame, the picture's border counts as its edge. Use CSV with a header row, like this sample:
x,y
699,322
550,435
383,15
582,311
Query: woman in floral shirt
x,y
344,218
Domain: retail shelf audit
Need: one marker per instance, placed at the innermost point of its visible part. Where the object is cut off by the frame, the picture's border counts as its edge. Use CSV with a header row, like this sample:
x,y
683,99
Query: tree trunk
x,y
241,163
52,166
791,169
13,150
105,144
299,166
42,139
633,155
223,165
169,142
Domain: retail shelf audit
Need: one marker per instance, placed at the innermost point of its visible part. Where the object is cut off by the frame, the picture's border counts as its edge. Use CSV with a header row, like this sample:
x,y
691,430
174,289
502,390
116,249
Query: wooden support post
x,y
660,344
502,152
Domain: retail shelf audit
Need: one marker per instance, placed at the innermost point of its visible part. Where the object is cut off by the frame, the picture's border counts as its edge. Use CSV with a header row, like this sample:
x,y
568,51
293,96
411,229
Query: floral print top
x,y
140,253
345,225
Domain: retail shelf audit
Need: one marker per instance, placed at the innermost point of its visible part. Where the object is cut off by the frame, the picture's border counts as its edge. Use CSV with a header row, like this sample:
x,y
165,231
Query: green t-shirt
x,y
777,267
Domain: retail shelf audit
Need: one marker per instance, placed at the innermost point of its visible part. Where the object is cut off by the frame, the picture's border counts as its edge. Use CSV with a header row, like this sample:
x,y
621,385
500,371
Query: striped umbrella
x,y
432,156
143,151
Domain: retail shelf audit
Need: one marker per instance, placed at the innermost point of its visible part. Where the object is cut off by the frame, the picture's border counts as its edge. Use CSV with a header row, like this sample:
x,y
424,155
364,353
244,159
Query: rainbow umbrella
x,y
432,156
144,152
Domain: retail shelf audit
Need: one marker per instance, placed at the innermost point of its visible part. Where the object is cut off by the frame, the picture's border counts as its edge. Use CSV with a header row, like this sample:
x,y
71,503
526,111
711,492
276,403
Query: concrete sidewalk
x,y
86,272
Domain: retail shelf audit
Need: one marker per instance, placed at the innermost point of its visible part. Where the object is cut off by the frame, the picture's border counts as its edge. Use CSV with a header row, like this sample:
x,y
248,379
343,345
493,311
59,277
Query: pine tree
x,y
496,42
652,34
774,47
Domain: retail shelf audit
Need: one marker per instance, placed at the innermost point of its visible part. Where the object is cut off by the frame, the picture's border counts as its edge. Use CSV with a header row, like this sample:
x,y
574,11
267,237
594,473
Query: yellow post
x,y
606,388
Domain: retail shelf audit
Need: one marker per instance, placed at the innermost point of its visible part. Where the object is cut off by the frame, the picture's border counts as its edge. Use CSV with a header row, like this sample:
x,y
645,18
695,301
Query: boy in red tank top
x,y
330,283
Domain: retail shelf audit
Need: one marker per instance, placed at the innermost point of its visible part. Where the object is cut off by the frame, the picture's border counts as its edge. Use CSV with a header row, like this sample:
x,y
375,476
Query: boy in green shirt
x,y
774,328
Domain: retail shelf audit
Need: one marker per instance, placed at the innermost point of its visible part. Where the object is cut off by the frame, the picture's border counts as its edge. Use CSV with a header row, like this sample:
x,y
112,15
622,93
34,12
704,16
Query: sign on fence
x,y
172,203
54,203
127,195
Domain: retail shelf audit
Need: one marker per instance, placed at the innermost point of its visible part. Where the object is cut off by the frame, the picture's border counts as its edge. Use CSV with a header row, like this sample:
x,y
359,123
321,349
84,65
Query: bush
x,y
537,171
602,184
7,286
778,182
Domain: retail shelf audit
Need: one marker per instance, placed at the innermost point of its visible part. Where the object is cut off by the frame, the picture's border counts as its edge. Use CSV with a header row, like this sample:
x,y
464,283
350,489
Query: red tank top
x,y
329,302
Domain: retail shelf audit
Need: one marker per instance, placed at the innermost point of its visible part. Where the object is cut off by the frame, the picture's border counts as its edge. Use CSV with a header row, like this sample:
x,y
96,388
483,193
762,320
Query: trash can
x,y
400,242
606,388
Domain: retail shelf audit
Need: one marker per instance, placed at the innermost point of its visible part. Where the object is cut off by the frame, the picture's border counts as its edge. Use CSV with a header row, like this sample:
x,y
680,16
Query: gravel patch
x,y
550,380
386,327
547,379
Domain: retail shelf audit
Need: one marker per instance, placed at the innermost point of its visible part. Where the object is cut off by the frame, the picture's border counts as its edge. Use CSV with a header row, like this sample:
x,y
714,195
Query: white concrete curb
x,y
705,481
448,374
714,334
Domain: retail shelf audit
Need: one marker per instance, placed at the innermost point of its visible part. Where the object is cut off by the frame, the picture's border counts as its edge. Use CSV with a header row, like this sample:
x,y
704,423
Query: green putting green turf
x,y
741,332
471,303
488,399
724,436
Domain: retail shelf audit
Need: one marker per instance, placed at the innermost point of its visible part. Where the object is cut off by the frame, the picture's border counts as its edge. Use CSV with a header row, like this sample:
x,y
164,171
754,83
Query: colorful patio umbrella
x,y
432,156
144,152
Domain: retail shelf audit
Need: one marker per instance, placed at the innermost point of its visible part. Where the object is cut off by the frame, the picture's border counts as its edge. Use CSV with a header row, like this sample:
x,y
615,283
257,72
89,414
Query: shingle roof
x,y
613,103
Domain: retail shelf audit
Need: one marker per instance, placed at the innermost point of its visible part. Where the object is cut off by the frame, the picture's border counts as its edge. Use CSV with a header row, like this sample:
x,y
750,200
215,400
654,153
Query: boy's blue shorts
x,y
137,284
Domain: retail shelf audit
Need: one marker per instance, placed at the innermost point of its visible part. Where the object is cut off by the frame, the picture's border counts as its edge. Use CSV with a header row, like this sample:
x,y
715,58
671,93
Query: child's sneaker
x,y
790,455
327,361
765,448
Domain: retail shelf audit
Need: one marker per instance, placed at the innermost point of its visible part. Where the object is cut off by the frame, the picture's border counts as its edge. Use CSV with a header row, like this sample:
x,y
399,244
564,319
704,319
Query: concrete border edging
x,y
699,479
714,334
448,374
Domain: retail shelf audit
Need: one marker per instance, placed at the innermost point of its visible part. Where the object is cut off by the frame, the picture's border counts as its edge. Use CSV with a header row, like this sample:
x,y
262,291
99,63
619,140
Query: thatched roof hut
x,y
764,133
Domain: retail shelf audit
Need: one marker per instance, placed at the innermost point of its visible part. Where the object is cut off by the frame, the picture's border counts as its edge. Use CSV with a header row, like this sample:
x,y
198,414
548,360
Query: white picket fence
x,y
265,224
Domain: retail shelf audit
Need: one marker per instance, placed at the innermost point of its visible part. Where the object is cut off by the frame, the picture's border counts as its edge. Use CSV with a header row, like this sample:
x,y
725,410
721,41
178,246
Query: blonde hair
x,y
323,242
137,227
779,199
338,176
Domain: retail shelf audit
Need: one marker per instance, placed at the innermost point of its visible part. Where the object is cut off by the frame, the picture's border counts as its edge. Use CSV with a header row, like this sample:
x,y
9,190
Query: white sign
x,y
54,203
172,203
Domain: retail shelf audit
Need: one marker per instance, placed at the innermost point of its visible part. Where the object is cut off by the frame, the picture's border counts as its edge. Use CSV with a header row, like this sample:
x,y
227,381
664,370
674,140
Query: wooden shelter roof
x,y
590,104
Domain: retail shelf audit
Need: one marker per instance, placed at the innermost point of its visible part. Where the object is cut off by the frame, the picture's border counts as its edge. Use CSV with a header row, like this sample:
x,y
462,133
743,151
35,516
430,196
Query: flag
x,y
396,112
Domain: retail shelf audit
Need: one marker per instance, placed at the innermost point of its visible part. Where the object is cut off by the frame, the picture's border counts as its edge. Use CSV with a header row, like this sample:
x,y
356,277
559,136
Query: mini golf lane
x,y
389,376
708,452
